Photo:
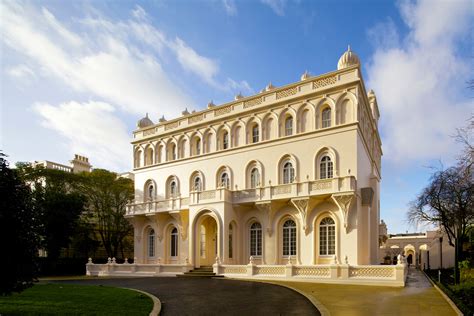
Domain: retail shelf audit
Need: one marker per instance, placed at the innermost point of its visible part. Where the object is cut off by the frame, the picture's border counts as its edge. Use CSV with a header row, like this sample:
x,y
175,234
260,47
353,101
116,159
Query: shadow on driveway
x,y
196,296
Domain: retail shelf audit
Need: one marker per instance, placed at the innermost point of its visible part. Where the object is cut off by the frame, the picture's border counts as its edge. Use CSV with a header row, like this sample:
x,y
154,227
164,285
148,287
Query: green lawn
x,y
70,299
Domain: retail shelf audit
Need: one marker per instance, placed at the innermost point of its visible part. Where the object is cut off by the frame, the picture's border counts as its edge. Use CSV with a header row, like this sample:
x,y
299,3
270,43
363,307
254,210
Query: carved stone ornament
x,y
266,208
344,202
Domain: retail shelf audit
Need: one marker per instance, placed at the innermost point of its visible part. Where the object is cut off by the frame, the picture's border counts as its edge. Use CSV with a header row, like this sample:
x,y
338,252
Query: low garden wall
x,y
385,275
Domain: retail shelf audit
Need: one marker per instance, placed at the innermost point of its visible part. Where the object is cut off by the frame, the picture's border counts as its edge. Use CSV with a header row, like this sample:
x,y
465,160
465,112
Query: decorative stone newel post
x,y
187,266
158,266
399,260
134,266
334,267
344,268
251,267
89,261
126,261
109,260
289,268
216,265
114,261
89,265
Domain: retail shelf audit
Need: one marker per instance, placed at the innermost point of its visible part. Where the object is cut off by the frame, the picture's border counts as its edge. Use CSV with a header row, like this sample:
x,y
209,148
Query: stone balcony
x,y
282,192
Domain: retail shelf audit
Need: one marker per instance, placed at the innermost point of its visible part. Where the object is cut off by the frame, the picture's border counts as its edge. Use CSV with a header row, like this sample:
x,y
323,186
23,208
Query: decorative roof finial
x,y
238,96
210,105
349,48
305,75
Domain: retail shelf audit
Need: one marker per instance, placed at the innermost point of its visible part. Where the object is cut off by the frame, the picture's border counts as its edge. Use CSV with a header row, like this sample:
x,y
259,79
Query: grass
x,y
70,299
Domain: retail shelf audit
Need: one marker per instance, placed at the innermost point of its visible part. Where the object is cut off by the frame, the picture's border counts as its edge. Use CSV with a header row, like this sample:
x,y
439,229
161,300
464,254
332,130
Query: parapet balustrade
x,y
263,193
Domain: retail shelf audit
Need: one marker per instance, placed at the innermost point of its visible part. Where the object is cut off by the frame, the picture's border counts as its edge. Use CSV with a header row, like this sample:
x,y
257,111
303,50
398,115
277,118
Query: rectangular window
x,y
255,134
151,246
323,241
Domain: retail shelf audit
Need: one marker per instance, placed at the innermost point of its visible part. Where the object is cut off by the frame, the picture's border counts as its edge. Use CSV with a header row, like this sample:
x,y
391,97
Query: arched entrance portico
x,y
206,239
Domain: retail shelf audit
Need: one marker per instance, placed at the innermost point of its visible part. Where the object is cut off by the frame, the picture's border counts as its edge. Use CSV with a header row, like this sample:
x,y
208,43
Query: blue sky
x,y
76,76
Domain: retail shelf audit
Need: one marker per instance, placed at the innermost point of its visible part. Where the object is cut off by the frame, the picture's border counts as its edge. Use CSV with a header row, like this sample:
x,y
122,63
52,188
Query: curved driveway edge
x,y
197,296
322,309
156,301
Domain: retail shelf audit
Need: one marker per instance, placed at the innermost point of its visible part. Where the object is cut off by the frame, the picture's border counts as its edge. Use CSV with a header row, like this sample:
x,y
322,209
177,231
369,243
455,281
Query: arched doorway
x,y
206,240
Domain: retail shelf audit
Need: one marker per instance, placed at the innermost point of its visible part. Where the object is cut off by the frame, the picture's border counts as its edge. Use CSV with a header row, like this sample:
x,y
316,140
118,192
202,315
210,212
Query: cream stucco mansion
x,y
289,177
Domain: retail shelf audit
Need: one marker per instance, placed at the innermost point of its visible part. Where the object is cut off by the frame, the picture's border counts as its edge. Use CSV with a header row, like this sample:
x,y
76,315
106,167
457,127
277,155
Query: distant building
x,y
77,165
430,250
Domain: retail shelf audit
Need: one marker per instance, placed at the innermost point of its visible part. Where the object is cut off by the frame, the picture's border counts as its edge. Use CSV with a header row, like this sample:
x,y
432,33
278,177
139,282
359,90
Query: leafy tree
x,y
107,197
59,206
19,231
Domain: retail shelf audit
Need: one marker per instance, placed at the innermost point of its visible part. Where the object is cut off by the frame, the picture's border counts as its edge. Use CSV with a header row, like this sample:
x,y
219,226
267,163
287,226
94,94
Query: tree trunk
x,y
457,245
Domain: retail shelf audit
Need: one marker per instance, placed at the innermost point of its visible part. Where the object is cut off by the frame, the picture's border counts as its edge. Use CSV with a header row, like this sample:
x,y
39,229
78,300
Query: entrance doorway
x,y
206,240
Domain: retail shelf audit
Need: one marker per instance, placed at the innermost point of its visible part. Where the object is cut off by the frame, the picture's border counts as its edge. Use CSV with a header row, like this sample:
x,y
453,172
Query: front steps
x,y
201,272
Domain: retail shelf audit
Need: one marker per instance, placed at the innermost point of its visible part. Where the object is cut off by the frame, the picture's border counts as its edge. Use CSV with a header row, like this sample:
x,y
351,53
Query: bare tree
x,y
447,201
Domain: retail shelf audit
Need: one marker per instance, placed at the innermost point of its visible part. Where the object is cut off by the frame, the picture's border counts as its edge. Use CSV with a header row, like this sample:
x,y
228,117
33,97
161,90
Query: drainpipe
x,y
441,252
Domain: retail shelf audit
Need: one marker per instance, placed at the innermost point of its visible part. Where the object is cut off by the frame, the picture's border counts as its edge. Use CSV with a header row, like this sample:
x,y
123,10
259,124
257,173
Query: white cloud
x,y
139,13
119,61
230,7
60,29
419,79
20,71
190,60
91,128
278,6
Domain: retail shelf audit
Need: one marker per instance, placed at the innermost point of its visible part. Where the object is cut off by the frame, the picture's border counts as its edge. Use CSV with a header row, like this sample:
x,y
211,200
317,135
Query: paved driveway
x,y
195,296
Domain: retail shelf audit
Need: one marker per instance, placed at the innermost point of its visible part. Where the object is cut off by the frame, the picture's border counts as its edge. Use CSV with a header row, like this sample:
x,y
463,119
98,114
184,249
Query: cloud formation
x,y
419,79
91,128
230,7
278,6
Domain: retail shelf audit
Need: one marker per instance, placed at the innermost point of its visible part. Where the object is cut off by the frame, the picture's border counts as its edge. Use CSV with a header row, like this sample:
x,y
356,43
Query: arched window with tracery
x,y
151,243
327,237
289,238
225,180
326,168
174,242
289,126
326,117
254,178
288,173
256,239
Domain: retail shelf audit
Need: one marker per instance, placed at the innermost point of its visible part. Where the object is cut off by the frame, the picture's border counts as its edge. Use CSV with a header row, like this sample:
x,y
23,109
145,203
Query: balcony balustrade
x,y
246,196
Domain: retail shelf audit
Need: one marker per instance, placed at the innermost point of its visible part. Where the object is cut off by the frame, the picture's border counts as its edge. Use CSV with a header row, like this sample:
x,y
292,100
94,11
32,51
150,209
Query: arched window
x,y
327,237
325,168
256,239
203,241
225,181
198,146
150,192
326,118
288,173
197,184
289,238
254,178
289,126
174,242
151,243
225,140
231,242
138,158
255,133
173,189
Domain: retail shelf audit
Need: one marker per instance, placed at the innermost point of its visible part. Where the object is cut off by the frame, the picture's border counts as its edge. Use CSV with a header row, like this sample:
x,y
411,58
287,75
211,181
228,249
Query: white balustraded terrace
x,y
313,188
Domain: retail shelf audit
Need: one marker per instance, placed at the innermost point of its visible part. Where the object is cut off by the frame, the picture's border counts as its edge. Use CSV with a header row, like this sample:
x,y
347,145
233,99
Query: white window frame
x,y
326,117
255,240
289,238
151,244
327,237
174,243
288,172
326,168
289,126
